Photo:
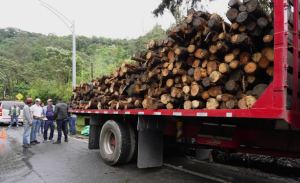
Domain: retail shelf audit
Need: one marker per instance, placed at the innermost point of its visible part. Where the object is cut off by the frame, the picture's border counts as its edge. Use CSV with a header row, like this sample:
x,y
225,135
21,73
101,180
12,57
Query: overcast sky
x,y
106,18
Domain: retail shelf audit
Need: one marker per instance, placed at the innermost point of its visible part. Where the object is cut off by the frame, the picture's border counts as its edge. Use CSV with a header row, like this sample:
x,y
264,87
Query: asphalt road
x,y
74,162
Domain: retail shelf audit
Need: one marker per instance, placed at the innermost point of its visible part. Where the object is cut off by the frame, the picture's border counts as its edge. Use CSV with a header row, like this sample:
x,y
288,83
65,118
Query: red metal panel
x,y
295,56
280,50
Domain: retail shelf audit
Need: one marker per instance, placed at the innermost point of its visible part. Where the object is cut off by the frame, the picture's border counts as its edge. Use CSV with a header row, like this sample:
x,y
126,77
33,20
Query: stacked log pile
x,y
205,63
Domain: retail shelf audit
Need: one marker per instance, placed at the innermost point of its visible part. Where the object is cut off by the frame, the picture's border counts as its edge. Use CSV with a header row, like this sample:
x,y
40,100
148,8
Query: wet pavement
x,y
73,162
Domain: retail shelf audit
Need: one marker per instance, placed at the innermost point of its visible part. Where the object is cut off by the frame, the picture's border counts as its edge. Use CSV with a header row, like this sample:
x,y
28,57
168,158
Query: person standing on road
x,y
61,117
41,129
71,121
14,112
48,111
37,112
27,121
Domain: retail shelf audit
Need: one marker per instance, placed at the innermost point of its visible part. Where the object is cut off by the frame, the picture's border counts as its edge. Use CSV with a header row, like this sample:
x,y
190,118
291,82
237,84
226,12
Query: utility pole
x,y
92,71
61,16
4,77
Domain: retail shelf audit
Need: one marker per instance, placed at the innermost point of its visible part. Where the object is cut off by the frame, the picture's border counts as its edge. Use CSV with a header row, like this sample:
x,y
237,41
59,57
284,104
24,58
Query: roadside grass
x,y
126,180
80,124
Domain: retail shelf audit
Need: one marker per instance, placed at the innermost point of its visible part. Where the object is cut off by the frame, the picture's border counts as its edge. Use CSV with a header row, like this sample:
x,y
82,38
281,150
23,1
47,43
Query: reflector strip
x,y
140,113
177,114
105,112
157,113
229,114
115,112
201,113
127,112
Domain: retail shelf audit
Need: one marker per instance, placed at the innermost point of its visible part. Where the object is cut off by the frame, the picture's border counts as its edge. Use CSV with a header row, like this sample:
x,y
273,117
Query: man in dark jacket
x,y
61,116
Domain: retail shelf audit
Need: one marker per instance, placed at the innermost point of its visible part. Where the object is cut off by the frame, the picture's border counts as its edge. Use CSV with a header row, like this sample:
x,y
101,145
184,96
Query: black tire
x,y
114,142
133,144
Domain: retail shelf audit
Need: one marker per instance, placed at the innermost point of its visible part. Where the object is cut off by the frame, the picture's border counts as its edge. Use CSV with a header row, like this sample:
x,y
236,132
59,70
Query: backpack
x,y
49,113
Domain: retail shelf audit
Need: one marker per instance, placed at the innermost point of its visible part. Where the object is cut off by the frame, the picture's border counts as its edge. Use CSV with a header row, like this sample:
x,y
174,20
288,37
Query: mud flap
x,y
95,127
150,142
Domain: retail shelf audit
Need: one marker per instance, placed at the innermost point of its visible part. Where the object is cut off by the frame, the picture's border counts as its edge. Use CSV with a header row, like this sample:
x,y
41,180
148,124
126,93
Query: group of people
x,y
36,116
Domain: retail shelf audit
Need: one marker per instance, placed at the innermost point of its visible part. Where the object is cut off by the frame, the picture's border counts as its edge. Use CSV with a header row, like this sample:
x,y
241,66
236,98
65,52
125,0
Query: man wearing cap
x,y
61,116
48,111
37,112
27,121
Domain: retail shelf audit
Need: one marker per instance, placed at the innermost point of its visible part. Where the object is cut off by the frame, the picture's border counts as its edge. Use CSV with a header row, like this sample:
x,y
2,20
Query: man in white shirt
x,y
37,112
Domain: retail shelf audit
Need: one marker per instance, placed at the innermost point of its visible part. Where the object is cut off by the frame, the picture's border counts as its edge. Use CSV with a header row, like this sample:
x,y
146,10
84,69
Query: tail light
x,y
0,112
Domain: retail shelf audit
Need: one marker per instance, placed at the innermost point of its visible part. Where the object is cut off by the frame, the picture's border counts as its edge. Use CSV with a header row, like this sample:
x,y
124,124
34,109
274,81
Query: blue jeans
x,y
34,129
73,127
48,124
69,122
42,127
26,133
12,120
61,125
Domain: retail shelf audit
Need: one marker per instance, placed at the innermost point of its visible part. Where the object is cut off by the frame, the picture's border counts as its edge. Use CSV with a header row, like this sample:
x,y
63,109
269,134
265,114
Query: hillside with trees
x,y
40,65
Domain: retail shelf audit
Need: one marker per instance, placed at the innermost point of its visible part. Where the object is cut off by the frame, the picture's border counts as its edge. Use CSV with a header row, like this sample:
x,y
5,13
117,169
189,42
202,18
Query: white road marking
x,y
196,173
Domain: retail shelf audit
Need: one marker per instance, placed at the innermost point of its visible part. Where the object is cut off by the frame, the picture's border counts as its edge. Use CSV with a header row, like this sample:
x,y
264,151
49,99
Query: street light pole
x,y
57,13
4,77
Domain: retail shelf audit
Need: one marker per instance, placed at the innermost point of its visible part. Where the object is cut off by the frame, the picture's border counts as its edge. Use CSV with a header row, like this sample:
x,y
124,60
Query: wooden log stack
x,y
205,63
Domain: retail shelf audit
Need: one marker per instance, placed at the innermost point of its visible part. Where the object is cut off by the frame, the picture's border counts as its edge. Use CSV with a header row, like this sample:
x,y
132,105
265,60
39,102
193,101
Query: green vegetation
x,y
40,65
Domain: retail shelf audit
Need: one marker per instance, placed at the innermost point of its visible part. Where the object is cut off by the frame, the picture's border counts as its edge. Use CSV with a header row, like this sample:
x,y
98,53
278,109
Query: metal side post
x,y
150,143
95,127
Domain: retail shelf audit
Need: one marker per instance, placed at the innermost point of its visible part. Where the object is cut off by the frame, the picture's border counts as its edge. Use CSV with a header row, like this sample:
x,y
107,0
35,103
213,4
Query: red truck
x,y
270,127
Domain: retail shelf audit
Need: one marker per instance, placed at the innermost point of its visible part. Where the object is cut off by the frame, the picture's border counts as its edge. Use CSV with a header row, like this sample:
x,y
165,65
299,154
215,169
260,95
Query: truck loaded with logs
x,y
211,84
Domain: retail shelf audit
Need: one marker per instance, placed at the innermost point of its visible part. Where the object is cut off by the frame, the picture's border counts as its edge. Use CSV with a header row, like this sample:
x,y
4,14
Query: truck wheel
x,y
114,142
133,144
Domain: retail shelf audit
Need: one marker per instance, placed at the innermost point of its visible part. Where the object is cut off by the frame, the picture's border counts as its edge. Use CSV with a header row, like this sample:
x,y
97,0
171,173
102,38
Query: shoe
x,y
73,133
57,142
37,142
44,141
66,140
9,126
17,126
38,134
32,143
26,145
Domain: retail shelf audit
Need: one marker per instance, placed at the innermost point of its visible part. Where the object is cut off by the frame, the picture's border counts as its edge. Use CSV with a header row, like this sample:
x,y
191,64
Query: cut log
x,y
262,22
187,79
236,75
232,14
199,73
212,103
231,104
201,53
224,68
179,72
229,57
197,104
243,18
196,90
268,53
206,82
215,76
250,68
175,91
234,64
186,89
263,63
259,89
270,71
234,3
191,71
192,48
256,56
214,91
187,104
205,95
165,98
252,79
196,63
245,58
232,86
250,101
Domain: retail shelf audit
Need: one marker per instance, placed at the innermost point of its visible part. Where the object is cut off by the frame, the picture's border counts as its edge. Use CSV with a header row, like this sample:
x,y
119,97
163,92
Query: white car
x,y
4,111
